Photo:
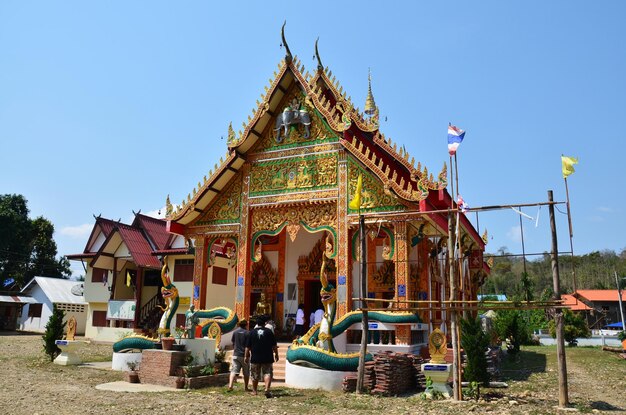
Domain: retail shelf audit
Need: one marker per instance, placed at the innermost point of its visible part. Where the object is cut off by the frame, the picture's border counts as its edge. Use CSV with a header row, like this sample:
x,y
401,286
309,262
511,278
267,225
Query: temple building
x,y
278,200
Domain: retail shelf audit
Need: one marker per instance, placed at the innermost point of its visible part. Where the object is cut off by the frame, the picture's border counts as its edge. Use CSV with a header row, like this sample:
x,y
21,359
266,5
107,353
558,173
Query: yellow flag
x,y
128,278
568,165
355,203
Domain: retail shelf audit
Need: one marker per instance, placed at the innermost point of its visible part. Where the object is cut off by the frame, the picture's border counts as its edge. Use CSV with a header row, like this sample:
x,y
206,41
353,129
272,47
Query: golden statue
x,y
437,346
263,306
71,328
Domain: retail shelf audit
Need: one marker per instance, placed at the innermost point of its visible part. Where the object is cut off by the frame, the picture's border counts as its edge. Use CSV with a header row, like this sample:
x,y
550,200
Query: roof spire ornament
x,y
370,104
320,67
288,57
168,206
231,135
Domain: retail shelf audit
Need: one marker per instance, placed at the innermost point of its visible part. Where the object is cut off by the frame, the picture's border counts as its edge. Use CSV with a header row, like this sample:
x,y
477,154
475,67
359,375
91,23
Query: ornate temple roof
x,y
359,135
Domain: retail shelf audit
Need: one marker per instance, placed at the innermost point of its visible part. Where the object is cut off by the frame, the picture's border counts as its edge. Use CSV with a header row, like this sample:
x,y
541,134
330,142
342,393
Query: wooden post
x,y
456,381
558,313
364,319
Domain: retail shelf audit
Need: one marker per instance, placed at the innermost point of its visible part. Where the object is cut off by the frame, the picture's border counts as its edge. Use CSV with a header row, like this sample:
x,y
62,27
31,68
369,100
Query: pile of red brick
x,y
390,374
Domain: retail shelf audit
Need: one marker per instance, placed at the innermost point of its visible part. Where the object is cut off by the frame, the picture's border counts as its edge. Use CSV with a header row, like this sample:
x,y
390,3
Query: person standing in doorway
x,y
240,339
299,321
319,315
259,347
312,319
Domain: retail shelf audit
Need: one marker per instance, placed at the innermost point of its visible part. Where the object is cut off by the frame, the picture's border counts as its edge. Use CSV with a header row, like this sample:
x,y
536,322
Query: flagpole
x,y
364,316
461,288
571,233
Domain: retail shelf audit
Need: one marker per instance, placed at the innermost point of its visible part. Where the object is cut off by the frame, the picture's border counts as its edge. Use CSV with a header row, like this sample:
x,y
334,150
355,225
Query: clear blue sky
x,y
107,107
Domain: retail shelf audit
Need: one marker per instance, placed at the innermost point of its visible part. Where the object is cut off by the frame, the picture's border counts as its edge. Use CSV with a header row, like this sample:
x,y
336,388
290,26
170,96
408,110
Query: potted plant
x,y
180,332
133,374
621,336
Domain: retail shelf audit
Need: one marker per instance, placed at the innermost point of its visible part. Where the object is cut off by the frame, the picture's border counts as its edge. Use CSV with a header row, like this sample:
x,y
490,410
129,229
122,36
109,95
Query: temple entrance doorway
x,y
312,300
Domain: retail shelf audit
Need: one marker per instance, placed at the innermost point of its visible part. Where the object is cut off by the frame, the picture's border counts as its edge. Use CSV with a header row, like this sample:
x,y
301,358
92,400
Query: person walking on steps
x,y
240,338
261,352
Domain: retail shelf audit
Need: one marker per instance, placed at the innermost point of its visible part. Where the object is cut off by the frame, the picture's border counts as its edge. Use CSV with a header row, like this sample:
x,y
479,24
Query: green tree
x,y
475,342
512,327
54,331
574,327
27,247
15,231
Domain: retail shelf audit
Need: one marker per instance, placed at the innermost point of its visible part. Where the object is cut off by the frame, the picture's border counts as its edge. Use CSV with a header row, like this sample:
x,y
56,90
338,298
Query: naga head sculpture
x,y
328,293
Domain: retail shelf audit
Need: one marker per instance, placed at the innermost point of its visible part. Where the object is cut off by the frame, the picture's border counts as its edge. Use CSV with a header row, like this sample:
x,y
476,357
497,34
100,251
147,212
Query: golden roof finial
x,y
370,105
231,134
168,206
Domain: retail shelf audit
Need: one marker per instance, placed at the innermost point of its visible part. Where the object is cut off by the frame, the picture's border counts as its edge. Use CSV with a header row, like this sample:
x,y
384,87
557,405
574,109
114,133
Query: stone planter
x,y
206,381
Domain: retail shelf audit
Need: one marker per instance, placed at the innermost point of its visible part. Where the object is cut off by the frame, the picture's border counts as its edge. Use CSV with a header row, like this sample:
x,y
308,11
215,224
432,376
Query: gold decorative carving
x,y
299,197
263,275
299,173
373,194
225,207
313,216
293,229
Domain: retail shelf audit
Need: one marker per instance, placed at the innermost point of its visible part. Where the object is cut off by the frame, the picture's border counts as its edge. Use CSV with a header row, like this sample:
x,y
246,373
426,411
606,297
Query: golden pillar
x,y
401,260
199,270
243,282
344,284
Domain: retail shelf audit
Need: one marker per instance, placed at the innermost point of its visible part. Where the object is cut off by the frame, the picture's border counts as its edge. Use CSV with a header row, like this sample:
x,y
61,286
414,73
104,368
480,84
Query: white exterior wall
x,y
218,295
106,334
36,324
96,291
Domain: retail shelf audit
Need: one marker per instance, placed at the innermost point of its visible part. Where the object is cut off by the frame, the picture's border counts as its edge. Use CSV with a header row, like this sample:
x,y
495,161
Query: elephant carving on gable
x,y
292,115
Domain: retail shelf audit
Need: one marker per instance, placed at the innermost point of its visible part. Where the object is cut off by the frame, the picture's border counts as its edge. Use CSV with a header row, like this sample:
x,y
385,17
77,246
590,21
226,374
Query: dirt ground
x,y
30,384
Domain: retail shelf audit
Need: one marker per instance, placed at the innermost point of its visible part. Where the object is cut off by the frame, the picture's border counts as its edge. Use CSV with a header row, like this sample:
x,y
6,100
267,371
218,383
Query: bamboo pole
x,y
558,314
364,317
571,233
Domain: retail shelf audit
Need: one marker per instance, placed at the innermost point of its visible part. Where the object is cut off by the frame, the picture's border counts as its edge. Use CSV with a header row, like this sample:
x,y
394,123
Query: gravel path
x,y
32,385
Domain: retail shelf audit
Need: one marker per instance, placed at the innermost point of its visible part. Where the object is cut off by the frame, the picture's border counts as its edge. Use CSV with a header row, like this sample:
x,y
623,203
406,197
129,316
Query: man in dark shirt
x,y
240,339
260,347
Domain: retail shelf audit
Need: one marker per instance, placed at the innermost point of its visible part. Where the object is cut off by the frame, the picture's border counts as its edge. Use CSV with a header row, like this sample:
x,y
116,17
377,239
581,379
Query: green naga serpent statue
x,y
316,348
169,292
217,321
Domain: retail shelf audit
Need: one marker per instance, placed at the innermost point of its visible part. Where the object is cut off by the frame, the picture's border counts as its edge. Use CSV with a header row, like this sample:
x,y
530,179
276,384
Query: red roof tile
x,y
600,295
138,246
573,303
155,229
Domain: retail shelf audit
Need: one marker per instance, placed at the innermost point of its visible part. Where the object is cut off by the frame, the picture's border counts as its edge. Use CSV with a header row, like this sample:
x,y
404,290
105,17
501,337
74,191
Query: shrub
x,y
574,326
512,327
475,342
54,332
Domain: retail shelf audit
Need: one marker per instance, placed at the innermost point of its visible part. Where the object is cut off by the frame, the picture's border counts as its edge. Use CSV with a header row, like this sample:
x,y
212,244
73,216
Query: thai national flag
x,y
455,137
464,207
